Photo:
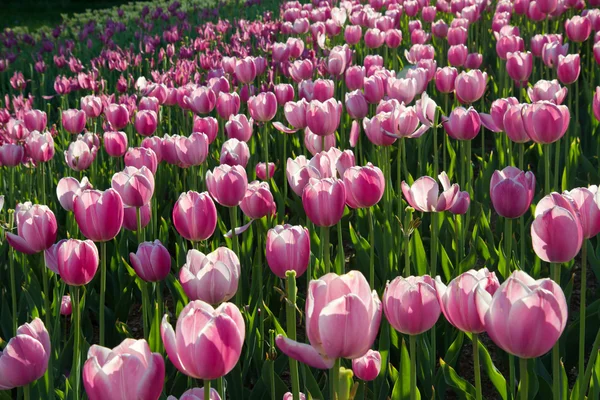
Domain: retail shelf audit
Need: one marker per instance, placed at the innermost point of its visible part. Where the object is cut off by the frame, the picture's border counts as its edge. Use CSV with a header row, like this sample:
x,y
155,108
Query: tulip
x,y
228,104
258,201
374,87
40,146
263,106
36,228
191,150
461,204
284,92
150,104
202,100
117,115
545,122
239,127
568,68
153,143
288,249
235,152
511,191
578,28
227,184
25,358
367,367
115,143
197,394
129,371
324,201
462,124
77,261
354,77
299,172
11,155
66,308
208,341
295,113
261,171
423,194
207,125
195,216
403,90
141,157
323,118
92,106
130,217
136,186
73,121
374,38
99,214
35,120
411,305
457,55
376,128
547,91
470,86
245,70
473,60
364,186
513,124
508,44
585,201
524,317
457,35
551,51
68,189
445,78
519,66
146,122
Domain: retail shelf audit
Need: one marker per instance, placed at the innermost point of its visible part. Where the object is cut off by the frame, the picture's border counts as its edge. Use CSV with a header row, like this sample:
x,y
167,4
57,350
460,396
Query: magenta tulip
x,y
136,186
92,106
191,150
261,171
40,146
36,228
195,216
258,201
239,127
227,184
288,249
545,122
11,155
115,143
228,104
77,261
585,201
519,66
66,307
578,28
130,217
462,124
263,106
324,201
141,157
245,70
68,189
235,152
511,191
117,115
202,100
367,367
568,68
207,125
146,122
73,121
445,78
35,120
470,86
548,91
99,215
323,118
364,186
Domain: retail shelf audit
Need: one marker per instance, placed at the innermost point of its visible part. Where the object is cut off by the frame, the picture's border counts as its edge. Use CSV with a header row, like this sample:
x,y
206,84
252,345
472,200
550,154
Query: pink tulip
x,y
235,152
73,121
551,51
284,92
139,157
367,367
36,228
129,371
68,189
208,341
461,204
24,360
290,396
411,305
191,150
513,124
130,217
261,171
136,186
195,216
295,113
202,100
508,44
99,214
393,38
463,124
458,300
301,69
585,201
494,121
11,155
227,184
354,78
547,91
578,28
470,86
423,194
457,55
545,122
457,35
115,143
445,78
511,191
324,201
439,29
596,103
117,115
568,68
212,278
314,143
146,122
197,394
35,120
519,66
92,106
374,87
323,118
342,321
352,34
150,104
374,38
207,125
245,70
288,249
263,106
77,261
376,128
66,308
258,201
364,186
239,127
228,104
524,317
40,146
403,90
299,172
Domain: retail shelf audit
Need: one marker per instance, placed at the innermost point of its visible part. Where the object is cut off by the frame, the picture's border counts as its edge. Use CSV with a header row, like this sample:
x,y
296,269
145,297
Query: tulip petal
x,y
304,353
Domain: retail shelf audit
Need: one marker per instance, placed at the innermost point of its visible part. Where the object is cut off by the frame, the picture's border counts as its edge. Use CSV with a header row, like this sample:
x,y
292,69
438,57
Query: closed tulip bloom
x,y
115,143
374,38
149,103
207,125
519,66
202,100
374,87
342,321
457,55
494,121
77,261
463,124
513,124
295,113
524,317
235,152
258,201
117,115
470,86
92,106
197,394
288,249
245,70
511,191
301,69
473,60
66,308
423,194
11,155
314,143
585,201
263,106
461,204
261,171
354,77
393,38
228,104
191,150
547,91
568,68
212,278
195,216
68,189
439,29
25,357
146,122
323,118
129,371
411,305
284,92
227,184
364,186
35,120
551,51
208,341
458,299
36,228
352,34
136,186
545,122
457,35
40,146
324,201
299,172
445,78
99,214
578,28
367,367
403,90
508,44
556,233
73,121
139,157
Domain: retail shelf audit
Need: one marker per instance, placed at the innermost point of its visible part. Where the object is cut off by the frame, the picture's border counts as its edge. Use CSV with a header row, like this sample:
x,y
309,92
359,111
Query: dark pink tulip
x,y
258,201
556,232
296,46
68,189
473,60
245,70
354,78
463,124
457,55
35,120
239,127
470,86
548,91
227,184
494,121
215,335
578,28
79,156
92,106
261,171
288,249
393,38
202,100
338,59
40,146
547,6
150,104
323,118
263,106
342,321
146,122
324,201
524,317
352,34
15,130
374,38
207,125
117,115
99,214
545,122
423,194
588,210
66,308
519,66
511,191
77,261
36,228
568,68
411,305
461,204
367,367
281,52
295,113
513,124
25,357
195,216
235,152
376,128
129,371
364,186
356,105
428,15
374,87
228,104
508,44
73,121
596,103
458,300
136,186
284,92
551,51
439,29
457,35
445,78
151,262
537,43
168,149
212,278
139,157
115,143
301,70
130,217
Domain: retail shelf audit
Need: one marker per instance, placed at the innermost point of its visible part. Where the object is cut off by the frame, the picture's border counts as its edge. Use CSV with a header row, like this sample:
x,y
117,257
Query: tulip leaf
x,y
401,389
418,254
381,384
462,388
492,372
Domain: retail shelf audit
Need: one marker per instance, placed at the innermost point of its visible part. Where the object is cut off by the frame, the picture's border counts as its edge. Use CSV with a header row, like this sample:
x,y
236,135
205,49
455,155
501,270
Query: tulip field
x,y
383,199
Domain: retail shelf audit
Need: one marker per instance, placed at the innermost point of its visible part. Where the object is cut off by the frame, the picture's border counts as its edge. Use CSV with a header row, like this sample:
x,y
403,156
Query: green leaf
x,y
462,388
381,385
418,254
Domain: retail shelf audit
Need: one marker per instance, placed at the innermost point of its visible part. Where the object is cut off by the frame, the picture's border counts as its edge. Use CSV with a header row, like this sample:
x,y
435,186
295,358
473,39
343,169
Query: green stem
x,y
159,312
145,307
77,339
508,241
435,144
259,277
48,317
475,340
334,377
557,164
511,374
207,389
591,363
325,248
340,250
102,292
555,268
582,305
265,139
13,291
26,392
524,383
235,246
371,249
546,151
291,329
219,384
413,366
